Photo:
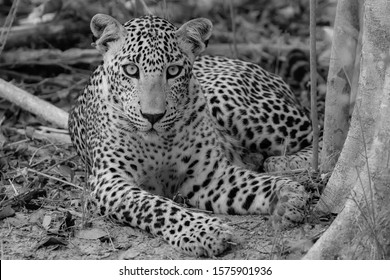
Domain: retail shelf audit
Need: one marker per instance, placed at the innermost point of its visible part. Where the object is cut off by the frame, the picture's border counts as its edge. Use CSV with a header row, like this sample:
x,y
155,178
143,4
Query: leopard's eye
x,y
131,70
173,71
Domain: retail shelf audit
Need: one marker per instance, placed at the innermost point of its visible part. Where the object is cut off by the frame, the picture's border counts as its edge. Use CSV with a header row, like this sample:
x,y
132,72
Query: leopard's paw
x,y
204,236
290,205
286,163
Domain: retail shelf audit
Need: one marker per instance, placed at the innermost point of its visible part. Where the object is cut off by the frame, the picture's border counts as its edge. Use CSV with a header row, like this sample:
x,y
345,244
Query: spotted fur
x,y
154,123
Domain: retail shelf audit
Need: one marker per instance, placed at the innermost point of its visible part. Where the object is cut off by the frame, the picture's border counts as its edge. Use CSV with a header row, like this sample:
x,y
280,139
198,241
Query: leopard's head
x,y
148,67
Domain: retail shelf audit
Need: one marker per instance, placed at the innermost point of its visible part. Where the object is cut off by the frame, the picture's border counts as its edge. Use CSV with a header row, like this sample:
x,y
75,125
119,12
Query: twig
x,y
15,190
37,150
59,163
22,198
17,143
18,75
313,82
64,210
54,178
8,24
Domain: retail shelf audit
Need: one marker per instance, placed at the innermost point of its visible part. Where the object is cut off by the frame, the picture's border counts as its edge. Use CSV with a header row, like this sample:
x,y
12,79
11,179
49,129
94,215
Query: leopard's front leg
x,y
193,233
234,190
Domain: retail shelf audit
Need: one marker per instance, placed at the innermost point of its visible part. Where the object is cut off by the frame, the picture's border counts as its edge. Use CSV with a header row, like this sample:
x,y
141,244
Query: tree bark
x,y
362,229
343,79
341,70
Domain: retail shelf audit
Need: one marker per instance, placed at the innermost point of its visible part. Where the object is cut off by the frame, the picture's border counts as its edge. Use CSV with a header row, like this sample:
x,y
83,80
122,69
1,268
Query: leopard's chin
x,y
150,135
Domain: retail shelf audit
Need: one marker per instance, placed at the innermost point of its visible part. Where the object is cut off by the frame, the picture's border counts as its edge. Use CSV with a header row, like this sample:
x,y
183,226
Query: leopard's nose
x,y
153,118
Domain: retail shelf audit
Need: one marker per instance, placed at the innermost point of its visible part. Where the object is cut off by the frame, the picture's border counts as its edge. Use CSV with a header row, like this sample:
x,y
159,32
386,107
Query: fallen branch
x,y
24,198
27,34
60,137
50,57
33,104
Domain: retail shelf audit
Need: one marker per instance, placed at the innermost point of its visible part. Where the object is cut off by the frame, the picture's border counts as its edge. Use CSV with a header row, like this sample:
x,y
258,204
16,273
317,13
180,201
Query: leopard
x,y
295,70
158,120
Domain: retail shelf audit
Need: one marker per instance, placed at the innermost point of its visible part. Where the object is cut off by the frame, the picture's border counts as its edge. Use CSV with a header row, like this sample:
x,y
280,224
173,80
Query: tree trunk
x,y
340,77
362,229
342,93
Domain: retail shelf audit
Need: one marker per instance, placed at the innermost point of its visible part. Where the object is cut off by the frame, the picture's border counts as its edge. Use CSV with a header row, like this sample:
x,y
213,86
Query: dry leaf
x,y
46,221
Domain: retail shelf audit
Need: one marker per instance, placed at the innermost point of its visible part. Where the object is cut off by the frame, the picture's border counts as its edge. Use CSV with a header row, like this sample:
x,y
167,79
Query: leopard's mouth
x,y
150,135
151,131
160,127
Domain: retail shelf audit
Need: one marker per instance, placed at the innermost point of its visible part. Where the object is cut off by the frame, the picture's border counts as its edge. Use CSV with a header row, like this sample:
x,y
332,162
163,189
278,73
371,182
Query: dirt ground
x,y
24,237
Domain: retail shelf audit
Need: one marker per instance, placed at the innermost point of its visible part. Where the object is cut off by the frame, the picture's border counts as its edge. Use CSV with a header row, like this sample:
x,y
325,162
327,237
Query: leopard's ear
x,y
194,35
106,30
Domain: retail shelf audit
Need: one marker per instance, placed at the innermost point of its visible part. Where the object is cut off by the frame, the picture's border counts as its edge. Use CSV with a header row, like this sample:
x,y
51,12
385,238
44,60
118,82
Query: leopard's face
x,y
148,75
